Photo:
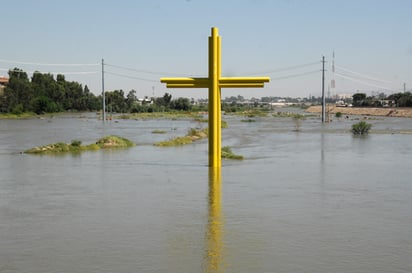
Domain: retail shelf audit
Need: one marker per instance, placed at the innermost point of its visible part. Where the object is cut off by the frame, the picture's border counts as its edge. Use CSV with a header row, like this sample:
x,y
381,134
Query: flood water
x,y
317,200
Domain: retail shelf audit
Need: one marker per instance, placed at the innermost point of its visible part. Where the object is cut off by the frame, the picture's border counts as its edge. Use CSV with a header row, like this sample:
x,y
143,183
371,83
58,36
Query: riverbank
x,y
363,111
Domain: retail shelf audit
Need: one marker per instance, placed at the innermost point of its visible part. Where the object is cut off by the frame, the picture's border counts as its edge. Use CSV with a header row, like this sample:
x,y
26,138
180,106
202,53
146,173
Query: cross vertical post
x,y
214,83
215,126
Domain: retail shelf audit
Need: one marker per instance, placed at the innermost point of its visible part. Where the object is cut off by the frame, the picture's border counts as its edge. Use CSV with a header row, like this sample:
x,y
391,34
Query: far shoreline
x,y
363,111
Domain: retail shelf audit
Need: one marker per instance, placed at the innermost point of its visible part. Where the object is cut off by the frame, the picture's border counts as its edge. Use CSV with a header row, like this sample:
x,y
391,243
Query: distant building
x,y
3,82
343,96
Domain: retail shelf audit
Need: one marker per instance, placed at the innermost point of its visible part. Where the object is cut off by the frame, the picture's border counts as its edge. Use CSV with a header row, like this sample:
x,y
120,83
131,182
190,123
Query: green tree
x,y
405,100
358,99
181,104
116,101
131,99
18,92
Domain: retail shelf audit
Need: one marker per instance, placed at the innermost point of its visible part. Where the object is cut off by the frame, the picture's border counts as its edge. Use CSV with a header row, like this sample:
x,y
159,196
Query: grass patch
x,y
288,115
250,113
223,123
248,120
17,116
191,136
228,154
107,142
162,115
159,132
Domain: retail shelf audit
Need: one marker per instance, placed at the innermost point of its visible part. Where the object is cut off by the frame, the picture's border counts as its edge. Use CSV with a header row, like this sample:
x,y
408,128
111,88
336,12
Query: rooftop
x,y
4,80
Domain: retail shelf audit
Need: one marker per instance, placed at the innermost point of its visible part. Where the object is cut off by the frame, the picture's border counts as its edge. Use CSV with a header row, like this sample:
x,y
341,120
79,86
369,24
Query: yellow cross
x,y
214,82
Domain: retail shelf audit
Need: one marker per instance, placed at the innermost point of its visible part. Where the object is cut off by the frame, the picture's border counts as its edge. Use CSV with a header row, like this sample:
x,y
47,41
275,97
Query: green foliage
x,y
224,124
181,104
159,132
76,147
44,94
17,109
114,142
76,143
402,99
297,118
338,114
228,154
192,135
361,128
359,99
248,120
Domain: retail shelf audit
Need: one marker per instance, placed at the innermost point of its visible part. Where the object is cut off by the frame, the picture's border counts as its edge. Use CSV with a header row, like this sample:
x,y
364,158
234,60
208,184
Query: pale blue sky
x,y
372,40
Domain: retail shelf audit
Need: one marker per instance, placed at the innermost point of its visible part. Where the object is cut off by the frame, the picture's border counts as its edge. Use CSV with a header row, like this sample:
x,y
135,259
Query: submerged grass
x,y
224,123
159,131
107,142
162,115
17,116
191,136
250,113
228,154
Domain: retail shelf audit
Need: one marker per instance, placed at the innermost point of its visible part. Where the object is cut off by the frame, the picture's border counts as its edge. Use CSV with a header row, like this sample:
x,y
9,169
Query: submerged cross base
x,y
215,82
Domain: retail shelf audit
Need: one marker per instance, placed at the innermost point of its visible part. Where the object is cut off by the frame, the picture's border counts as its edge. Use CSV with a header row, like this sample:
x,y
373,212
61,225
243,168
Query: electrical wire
x,y
62,73
46,64
362,75
130,77
144,71
295,75
286,68
360,81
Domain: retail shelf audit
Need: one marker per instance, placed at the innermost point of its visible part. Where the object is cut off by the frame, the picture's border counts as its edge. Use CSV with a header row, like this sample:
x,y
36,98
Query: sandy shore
x,y
389,112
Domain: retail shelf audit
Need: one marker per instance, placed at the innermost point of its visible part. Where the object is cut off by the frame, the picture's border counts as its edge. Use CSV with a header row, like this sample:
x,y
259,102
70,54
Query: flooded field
x,y
313,200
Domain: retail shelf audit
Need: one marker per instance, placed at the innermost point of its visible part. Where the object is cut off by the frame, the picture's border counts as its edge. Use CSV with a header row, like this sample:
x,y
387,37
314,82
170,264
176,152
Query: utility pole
x,y
323,89
103,95
404,87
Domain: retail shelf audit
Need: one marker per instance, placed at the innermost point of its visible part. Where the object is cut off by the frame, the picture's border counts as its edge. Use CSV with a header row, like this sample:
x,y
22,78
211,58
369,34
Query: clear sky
x,y
283,39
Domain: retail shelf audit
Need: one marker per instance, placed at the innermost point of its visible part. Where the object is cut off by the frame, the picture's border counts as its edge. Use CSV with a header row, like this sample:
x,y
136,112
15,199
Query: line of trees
x,y
42,93
393,100
45,94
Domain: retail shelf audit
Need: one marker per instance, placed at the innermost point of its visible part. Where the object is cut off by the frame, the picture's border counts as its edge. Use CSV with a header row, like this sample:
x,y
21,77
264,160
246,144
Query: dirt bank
x,y
389,112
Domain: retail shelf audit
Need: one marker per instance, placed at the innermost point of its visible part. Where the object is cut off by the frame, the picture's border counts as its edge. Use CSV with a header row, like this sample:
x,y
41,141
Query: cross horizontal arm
x,y
224,82
186,82
228,80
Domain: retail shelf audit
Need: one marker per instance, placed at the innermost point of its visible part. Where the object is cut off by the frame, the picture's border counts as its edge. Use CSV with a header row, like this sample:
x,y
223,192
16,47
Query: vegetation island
x,y
107,142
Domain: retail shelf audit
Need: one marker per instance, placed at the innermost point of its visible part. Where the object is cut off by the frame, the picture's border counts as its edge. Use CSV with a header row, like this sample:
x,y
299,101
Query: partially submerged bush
x,y
114,142
228,154
76,143
361,128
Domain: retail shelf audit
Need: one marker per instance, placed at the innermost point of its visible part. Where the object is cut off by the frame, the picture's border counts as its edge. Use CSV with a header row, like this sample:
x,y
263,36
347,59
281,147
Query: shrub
x,y
157,131
76,143
227,153
338,114
361,128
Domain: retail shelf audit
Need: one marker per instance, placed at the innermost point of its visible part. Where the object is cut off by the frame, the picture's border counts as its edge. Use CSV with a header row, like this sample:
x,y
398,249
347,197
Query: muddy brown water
x,y
316,200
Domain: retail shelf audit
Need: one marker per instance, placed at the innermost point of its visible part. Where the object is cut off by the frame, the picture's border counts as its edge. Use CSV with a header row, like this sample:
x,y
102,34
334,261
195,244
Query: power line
x,y
362,75
46,64
295,75
144,71
50,72
130,77
286,68
359,81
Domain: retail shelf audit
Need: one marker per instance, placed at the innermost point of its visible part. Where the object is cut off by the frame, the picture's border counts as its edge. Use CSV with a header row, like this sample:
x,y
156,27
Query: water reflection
x,y
214,232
